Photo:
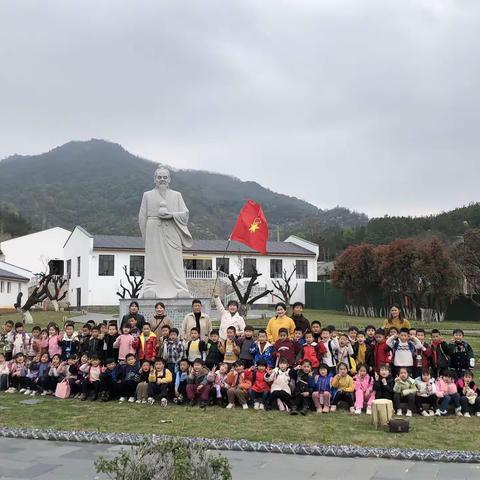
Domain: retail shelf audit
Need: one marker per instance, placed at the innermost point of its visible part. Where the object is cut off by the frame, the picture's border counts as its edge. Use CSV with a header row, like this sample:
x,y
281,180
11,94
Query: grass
x,y
338,428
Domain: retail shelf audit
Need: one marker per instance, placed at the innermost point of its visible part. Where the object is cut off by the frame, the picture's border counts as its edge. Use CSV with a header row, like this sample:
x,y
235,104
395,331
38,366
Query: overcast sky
x,y
373,105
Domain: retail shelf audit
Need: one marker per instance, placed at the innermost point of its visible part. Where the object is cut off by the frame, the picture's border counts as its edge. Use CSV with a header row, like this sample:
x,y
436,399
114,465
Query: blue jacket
x,y
323,383
267,354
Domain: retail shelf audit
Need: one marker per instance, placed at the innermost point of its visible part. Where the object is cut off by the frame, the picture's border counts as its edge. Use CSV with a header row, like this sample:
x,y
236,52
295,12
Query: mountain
x,y
98,185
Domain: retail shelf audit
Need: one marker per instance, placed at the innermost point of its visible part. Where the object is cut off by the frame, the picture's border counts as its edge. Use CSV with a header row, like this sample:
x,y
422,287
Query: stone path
x,y
41,460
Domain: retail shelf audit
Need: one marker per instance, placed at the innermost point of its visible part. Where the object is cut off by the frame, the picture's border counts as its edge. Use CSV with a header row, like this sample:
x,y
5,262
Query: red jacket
x,y
313,352
382,354
146,348
259,384
286,349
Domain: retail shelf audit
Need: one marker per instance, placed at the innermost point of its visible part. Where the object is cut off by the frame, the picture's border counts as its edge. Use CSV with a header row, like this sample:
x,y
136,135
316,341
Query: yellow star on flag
x,y
255,225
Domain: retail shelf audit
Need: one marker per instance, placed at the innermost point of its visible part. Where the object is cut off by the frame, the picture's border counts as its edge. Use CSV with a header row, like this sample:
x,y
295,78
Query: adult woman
x,y
396,319
160,319
133,312
280,320
229,317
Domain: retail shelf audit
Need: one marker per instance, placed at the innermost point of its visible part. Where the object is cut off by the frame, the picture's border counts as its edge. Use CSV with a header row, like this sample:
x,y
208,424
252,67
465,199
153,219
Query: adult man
x,y
298,318
196,319
133,312
163,219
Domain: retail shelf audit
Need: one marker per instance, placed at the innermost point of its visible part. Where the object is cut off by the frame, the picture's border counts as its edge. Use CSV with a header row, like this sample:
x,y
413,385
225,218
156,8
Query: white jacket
x,y
227,320
280,380
425,389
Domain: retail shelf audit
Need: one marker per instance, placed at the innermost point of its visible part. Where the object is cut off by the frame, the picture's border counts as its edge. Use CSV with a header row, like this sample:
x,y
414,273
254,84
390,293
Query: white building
x,y
13,280
33,252
95,263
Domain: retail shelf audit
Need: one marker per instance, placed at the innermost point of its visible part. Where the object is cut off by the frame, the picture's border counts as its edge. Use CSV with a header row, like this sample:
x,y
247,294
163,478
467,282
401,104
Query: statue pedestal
x,y
176,308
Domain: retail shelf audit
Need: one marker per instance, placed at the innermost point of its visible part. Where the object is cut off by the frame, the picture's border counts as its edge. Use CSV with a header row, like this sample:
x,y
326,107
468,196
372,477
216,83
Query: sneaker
x,y
332,408
443,412
83,397
431,413
27,392
319,410
245,406
326,409
466,414
230,405
459,414
150,400
261,406
256,406
304,411
131,399
44,393
163,402
352,409
22,390
478,414
425,413
369,410
358,411
409,413
34,392
144,402
399,412
438,412
294,411
122,399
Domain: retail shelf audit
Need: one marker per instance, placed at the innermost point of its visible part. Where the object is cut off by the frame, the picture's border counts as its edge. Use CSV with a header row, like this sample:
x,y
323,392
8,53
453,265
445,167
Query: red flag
x,y
251,228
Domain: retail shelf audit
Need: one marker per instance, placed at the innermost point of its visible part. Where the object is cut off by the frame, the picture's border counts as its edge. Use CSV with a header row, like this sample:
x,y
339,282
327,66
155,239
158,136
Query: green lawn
x,y
337,428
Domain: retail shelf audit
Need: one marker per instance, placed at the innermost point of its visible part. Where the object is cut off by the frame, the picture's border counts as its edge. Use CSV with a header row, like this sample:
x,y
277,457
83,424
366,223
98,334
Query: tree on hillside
x,y
467,257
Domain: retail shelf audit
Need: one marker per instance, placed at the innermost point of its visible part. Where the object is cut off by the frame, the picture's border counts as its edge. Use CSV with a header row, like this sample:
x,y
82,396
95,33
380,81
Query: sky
x,y
372,105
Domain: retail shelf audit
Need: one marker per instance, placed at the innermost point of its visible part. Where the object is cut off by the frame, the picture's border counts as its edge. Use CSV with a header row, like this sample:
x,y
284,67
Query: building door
x,y
79,298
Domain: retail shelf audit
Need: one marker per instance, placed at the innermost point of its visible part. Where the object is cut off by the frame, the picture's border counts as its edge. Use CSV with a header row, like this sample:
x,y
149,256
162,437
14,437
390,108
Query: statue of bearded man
x,y
163,220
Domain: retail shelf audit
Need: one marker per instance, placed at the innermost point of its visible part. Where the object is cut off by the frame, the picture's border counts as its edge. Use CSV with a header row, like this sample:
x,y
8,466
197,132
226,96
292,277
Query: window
x,y
223,264
69,269
197,264
249,266
137,265
2,286
9,287
106,265
275,268
78,266
302,269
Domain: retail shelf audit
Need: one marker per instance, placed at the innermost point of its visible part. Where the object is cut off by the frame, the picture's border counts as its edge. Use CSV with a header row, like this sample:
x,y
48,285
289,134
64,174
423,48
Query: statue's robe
x,y
164,240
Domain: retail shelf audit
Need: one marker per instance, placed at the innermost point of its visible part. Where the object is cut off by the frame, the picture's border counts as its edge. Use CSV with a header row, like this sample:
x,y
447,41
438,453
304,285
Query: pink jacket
x,y
53,346
124,343
445,388
365,384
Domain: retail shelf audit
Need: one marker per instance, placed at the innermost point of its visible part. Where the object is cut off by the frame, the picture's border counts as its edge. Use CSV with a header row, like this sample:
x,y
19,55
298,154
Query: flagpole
x,y
223,258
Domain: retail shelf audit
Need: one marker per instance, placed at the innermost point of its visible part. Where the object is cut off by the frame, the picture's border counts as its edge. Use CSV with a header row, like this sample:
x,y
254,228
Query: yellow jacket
x,y
276,323
397,323
160,377
345,383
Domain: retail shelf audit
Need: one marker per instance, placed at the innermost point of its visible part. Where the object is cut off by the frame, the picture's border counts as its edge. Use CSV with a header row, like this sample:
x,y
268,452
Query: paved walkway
x,y
41,460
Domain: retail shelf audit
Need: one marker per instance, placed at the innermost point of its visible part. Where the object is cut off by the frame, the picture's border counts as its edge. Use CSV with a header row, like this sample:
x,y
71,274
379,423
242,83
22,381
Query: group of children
x,y
313,370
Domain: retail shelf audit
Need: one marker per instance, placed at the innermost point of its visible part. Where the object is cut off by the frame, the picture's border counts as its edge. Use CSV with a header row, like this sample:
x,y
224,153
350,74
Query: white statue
x,y
163,220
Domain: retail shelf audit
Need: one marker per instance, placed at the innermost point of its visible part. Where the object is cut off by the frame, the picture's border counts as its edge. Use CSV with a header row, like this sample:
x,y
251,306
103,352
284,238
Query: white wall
x,y
7,300
34,251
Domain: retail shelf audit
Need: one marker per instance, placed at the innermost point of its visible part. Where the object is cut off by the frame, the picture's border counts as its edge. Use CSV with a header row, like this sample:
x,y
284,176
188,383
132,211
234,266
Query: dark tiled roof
x,y
11,275
114,242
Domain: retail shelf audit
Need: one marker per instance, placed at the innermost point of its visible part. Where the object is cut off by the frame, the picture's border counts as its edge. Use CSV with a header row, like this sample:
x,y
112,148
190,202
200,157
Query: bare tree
x,y
284,286
135,285
467,256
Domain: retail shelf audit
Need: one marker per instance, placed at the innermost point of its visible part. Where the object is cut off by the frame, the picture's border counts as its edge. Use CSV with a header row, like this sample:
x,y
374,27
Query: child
x,y
440,358
5,341
316,330
311,351
43,369
109,350
286,348
181,379
304,386
128,378
461,354
93,370
95,343
345,354
109,380
197,383
263,350
363,353
19,340
213,356
364,392
404,389
53,341
141,380
404,349
229,317
164,336
300,321
426,393
381,351
370,335
18,372
125,343
392,332
447,393
134,330
238,384
218,379
56,373
173,351
384,383
344,388
468,392
245,343
35,347
298,337
146,344
4,373
69,342
352,333
158,382
422,355
260,388
280,390
331,348
195,346
231,347
83,338
322,395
